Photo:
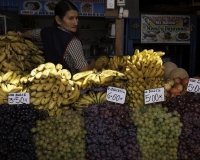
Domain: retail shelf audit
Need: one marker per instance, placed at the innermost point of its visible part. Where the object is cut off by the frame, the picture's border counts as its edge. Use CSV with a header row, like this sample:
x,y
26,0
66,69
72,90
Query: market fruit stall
x,y
47,113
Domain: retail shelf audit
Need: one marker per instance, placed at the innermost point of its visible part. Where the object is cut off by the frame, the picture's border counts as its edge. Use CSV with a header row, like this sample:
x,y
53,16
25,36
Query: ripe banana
x,y
65,74
38,75
61,88
4,88
73,97
59,66
45,73
81,75
7,75
34,86
48,86
15,89
45,100
41,67
49,65
37,101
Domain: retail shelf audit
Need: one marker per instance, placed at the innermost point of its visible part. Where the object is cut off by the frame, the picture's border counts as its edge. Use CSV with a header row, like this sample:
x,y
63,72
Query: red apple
x,y
170,82
177,80
179,87
174,90
185,81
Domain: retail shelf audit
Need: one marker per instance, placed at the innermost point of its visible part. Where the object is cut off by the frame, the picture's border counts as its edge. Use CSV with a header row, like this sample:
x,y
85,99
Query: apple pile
x,y
174,87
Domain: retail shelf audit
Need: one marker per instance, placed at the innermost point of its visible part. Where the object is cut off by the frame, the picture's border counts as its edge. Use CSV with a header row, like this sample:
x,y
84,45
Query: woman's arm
x,y
90,66
27,34
76,52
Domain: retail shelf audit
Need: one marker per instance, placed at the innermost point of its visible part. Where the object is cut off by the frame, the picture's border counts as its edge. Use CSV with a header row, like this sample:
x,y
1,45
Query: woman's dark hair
x,y
61,8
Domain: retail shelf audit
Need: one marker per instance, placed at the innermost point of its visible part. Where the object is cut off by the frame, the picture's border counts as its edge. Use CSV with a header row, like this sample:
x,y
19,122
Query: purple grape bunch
x,y
111,134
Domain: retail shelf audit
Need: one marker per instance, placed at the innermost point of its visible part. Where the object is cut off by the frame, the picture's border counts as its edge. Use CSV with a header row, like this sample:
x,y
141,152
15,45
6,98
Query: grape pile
x,y
158,132
189,108
60,137
111,134
16,122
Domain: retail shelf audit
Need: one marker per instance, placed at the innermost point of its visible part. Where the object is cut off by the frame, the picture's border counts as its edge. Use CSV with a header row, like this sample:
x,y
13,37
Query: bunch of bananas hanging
x,y
50,88
95,79
9,83
144,70
118,63
18,54
89,98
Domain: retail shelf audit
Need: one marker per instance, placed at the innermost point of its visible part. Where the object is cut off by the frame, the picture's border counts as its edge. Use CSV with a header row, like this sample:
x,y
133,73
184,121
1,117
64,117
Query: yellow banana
x,y
7,75
34,86
43,81
65,74
73,97
49,65
98,95
37,101
16,90
40,68
51,79
39,94
61,88
45,73
33,93
24,79
51,104
55,88
59,66
53,72
45,100
81,75
59,100
33,72
4,88
87,97
48,86
38,75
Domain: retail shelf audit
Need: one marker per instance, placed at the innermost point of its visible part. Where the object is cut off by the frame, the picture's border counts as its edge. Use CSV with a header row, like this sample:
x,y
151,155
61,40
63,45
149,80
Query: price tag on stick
x,y
154,95
18,98
193,85
117,95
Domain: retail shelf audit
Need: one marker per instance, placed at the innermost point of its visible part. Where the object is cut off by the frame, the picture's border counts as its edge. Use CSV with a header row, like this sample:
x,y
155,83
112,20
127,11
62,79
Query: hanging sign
x,y
153,95
165,28
46,7
18,98
117,95
193,85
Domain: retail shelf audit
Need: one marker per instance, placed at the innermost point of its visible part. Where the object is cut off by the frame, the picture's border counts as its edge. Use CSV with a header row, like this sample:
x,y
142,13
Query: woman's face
x,y
69,21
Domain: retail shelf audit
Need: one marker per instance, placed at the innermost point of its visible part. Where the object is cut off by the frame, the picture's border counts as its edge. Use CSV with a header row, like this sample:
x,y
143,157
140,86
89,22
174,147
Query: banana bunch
x,y
95,79
89,98
144,70
50,88
18,54
9,83
118,63
101,62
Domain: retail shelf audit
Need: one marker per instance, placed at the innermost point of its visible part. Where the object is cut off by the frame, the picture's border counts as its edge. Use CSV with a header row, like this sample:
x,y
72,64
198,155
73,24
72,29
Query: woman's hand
x,y
90,66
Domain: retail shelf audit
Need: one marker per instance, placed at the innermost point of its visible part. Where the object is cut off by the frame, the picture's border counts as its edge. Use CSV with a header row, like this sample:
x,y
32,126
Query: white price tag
x,y
193,85
154,95
117,95
18,98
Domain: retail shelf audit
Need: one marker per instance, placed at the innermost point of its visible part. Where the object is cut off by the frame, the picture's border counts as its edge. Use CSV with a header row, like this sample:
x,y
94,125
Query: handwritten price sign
x,y
116,95
18,98
193,85
154,95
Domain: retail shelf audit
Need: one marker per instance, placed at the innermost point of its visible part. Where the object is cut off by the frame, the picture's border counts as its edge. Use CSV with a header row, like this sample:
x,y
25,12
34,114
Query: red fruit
x,y
185,81
179,87
177,80
174,90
